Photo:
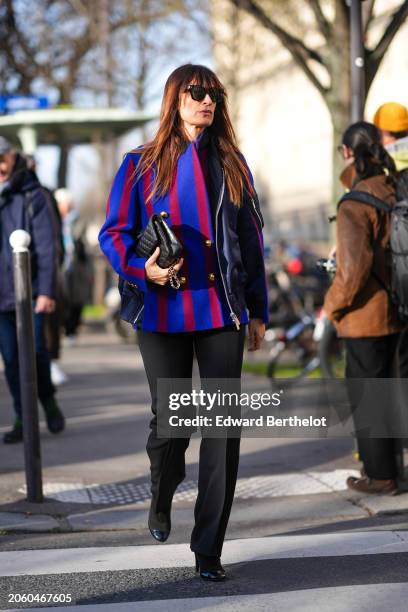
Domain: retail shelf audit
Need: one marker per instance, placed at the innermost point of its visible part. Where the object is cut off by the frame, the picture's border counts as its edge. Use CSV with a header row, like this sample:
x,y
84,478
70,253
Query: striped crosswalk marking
x,y
70,569
115,558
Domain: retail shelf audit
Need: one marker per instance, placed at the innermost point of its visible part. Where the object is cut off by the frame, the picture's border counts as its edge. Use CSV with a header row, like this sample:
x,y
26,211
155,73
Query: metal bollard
x,y
20,241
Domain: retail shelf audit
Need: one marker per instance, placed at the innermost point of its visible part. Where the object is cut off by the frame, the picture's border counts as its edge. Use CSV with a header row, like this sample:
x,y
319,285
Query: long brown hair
x,y
170,141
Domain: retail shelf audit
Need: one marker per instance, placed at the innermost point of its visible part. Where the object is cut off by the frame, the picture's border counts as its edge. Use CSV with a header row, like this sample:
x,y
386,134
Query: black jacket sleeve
x,y
250,224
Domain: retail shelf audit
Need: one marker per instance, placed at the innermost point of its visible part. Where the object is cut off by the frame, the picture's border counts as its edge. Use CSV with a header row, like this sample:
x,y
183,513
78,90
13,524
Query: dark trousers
x,y
381,357
72,318
9,353
219,354
402,358
54,324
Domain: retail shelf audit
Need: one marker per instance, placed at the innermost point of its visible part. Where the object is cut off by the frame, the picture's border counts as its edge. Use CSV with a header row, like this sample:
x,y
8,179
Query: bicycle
x,y
308,345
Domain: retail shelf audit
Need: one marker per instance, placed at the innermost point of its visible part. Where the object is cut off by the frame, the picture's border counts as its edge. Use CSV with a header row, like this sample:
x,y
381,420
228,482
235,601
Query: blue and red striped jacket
x,y
203,301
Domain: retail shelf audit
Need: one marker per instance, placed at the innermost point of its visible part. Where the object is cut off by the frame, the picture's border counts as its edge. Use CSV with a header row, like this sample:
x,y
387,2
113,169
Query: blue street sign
x,y
12,104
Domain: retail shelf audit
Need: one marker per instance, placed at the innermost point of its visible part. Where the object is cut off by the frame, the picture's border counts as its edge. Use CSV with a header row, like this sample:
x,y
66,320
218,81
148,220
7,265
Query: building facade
x,y
283,125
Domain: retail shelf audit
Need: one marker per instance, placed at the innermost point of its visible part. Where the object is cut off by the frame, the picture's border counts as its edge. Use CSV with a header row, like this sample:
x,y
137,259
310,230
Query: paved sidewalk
x,y
96,472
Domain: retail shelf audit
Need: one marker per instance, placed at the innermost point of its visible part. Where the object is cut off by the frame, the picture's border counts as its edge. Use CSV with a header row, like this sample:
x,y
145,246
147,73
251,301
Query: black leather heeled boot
x,y
210,568
159,525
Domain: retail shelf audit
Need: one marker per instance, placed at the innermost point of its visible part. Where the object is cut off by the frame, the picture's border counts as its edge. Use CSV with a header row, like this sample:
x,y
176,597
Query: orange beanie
x,y
391,117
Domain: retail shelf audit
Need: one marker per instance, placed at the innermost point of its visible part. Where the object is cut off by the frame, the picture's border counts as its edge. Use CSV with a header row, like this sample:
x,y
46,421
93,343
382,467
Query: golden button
x,y
211,277
208,243
183,280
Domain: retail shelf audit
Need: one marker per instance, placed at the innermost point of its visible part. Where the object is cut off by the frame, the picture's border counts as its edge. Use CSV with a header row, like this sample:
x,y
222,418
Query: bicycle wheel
x,y
332,353
295,359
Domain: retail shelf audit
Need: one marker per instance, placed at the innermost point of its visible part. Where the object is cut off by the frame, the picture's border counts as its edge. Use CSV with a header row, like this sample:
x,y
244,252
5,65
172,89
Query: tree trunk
x,y
65,92
63,163
340,120
338,99
340,117
143,58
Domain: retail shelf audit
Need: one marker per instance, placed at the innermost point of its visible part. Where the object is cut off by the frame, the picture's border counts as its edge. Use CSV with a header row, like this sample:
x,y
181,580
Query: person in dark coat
x,y
24,206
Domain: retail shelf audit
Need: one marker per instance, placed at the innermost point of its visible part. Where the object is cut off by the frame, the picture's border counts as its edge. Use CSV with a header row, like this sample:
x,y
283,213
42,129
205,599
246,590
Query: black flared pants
x,y
219,354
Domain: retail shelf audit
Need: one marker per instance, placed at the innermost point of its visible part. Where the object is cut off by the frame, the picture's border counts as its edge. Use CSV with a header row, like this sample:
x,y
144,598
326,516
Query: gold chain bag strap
x,y
173,278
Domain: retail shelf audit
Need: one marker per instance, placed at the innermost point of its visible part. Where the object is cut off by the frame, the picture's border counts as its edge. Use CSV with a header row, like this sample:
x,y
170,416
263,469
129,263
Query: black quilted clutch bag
x,y
158,234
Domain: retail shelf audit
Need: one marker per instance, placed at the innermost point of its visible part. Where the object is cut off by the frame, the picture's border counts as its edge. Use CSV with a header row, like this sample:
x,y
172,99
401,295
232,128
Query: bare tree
x,y
326,64
92,50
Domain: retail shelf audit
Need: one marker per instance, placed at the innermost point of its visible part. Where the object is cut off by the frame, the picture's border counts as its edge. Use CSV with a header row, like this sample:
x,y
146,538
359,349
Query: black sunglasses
x,y
198,93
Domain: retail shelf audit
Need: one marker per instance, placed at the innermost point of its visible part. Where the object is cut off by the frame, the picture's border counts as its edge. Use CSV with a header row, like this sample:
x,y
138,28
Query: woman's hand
x,y
256,332
158,275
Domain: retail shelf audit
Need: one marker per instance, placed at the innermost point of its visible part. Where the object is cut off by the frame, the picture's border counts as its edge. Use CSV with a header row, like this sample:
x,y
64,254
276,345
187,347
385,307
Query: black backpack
x,y
398,291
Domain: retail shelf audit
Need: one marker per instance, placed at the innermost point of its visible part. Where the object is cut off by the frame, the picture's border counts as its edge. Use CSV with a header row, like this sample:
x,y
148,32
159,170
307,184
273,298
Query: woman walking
x,y
359,299
193,171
